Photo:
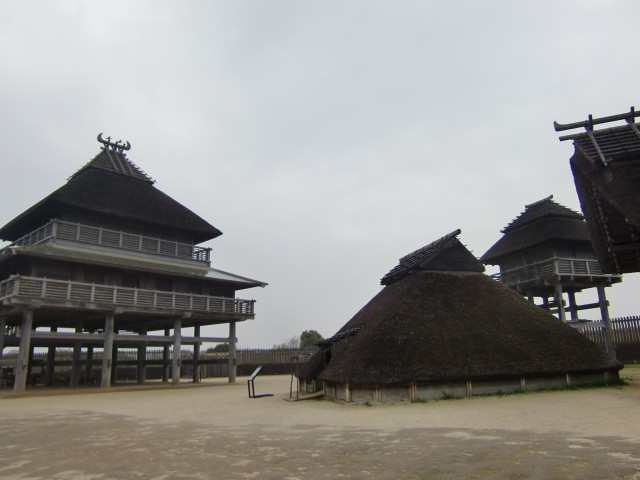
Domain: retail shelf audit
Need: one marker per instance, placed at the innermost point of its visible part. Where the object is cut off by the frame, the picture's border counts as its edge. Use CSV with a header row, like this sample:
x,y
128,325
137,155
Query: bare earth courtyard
x,y
215,431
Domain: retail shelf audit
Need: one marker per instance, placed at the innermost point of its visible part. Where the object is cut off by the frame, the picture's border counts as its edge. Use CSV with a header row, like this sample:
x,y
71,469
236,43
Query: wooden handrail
x,y
114,295
554,266
77,232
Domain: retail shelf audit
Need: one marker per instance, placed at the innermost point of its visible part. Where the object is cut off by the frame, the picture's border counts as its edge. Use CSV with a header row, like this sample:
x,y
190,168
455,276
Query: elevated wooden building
x,y
546,253
606,171
441,327
108,261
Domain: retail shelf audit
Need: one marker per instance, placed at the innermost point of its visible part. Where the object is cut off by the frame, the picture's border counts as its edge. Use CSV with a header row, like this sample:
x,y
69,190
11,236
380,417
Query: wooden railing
x,y
551,267
76,232
116,296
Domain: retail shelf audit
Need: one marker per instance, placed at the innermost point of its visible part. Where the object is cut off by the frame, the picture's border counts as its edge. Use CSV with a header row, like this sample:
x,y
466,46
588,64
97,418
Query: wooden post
x,y
30,368
107,352
177,343
165,357
22,362
196,356
3,332
545,302
608,327
74,381
573,308
89,366
114,362
141,373
232,352
560,302
51,361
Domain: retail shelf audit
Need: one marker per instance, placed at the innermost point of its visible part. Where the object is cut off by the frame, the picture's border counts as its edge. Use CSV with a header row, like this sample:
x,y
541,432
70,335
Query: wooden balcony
x,y
553,268
76,232
18,290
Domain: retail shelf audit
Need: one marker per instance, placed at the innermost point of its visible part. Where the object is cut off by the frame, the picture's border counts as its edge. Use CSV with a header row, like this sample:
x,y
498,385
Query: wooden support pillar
x,y
141,372
177,345
51,362
196,356
608,327
76,358
22,362
107,361
573,307
114,361
3,333
232,352
560,302
30,368
165,358
88,366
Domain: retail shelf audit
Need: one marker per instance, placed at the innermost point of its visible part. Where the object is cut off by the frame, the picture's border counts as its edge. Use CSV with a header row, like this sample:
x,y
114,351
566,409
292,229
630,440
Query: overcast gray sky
x,y
325,139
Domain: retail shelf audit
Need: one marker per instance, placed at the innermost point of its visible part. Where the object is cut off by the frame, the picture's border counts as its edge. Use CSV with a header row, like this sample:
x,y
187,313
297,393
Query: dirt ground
x,y
214,431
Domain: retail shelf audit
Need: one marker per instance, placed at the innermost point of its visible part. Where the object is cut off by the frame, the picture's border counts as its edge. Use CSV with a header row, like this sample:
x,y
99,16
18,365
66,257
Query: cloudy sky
x,y
325,139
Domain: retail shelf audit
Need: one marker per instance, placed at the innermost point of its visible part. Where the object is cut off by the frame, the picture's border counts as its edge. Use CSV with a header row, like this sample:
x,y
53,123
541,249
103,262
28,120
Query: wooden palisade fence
x,y
626,336
212,364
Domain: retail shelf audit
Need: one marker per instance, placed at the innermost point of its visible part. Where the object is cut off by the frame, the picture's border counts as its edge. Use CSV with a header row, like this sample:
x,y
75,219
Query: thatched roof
x,y
111,185
446,253
607,185
457,324
450,326
541,222
117,162
312,367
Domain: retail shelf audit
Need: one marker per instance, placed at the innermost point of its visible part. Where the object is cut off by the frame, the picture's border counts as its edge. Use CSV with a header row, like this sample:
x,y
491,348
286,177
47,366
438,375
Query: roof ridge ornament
x,y
550,197
629,117
118,146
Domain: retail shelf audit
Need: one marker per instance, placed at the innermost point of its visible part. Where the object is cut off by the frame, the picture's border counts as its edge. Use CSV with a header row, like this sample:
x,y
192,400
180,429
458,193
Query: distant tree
x,y
293,342
222,347
309,338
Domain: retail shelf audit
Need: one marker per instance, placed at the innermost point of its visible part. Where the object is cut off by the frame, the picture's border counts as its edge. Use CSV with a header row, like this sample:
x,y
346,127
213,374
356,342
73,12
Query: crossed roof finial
x,y
118,146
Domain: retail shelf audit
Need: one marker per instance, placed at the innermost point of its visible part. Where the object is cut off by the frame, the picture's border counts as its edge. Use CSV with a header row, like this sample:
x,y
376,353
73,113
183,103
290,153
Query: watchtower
x,y
104,262
546,252
606,171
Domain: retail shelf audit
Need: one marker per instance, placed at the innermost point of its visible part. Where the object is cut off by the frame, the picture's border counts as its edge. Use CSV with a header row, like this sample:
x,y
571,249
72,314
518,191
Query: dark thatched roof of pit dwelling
x,y
446,253
112,185
541,222
433,327
441,325
609,192
312,367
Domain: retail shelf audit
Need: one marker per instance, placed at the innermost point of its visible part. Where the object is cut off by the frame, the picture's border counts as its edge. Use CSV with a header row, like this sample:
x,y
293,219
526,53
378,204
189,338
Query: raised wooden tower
x,y
606,171
103,262
546,252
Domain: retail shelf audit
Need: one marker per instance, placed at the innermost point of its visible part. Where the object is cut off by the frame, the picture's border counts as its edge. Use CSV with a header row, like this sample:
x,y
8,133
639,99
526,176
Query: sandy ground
x,y
215,431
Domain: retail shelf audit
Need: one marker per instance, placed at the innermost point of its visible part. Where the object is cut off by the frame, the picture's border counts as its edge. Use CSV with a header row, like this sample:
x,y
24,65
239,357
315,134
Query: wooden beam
x,y
588,306
97,338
